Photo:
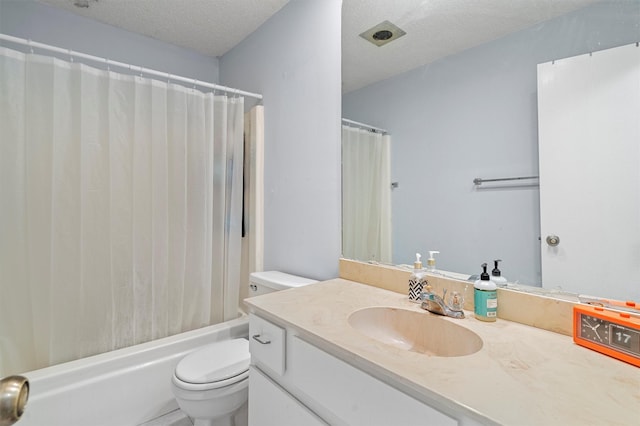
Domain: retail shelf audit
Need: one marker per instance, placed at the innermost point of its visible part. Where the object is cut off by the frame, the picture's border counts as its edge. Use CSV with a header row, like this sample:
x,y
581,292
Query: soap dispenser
x,y
496,275
485,297
431,261
416,280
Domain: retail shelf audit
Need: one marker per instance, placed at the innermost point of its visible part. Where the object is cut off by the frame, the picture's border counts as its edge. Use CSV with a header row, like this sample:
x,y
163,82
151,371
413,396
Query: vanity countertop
x,y
521,376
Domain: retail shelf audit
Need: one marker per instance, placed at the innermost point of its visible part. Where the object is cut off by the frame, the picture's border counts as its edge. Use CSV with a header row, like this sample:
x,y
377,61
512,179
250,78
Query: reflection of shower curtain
x,y
120,210
366,195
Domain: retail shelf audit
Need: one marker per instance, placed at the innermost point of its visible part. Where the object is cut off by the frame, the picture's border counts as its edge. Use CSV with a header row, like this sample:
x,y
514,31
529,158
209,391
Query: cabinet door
x,y
270,405
352,395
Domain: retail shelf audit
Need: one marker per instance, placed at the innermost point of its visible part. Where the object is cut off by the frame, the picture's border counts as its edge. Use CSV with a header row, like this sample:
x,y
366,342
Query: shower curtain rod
x,y
366,126
141,70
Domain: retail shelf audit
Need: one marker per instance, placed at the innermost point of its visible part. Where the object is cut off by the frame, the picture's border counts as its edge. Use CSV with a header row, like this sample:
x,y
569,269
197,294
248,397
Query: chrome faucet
x,y
437,305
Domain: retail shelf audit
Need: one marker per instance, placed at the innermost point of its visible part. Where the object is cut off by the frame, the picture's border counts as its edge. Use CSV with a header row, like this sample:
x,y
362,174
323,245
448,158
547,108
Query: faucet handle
x,y
456,300
426,293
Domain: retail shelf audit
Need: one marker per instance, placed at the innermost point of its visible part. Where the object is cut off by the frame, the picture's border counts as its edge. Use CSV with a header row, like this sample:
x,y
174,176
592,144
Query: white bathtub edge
x,y
128,386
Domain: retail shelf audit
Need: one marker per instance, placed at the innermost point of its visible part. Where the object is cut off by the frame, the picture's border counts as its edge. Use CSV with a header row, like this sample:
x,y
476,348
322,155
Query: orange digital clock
x,y
613,333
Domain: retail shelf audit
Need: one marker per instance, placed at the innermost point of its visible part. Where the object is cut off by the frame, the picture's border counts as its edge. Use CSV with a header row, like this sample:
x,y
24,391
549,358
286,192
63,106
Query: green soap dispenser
x,y
485,297
496,275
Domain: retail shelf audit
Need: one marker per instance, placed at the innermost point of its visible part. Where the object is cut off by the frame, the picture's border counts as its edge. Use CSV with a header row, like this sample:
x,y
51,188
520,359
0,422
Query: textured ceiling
x,y
211,27
435,28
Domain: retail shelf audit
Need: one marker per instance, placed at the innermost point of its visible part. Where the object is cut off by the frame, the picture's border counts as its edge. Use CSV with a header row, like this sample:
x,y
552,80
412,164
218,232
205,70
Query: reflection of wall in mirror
x,y
474,114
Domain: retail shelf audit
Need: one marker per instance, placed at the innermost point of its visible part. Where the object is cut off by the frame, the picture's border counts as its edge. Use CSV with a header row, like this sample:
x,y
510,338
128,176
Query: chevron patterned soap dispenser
x,y
416,280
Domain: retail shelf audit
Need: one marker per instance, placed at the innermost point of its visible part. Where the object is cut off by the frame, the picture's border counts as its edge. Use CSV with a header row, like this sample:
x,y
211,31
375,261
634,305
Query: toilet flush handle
x,y
260,340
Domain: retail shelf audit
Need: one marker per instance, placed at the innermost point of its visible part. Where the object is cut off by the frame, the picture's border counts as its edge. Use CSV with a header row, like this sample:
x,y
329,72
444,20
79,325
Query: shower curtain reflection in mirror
x,y
121,199
366,195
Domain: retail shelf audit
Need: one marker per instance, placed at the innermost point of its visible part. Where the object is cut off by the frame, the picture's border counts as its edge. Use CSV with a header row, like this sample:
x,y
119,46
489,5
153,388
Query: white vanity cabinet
x,y
314,387
271,405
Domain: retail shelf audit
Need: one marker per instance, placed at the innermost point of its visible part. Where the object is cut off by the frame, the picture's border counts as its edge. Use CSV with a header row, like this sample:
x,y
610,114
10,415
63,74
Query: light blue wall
x,y
29,19
294,60
472,115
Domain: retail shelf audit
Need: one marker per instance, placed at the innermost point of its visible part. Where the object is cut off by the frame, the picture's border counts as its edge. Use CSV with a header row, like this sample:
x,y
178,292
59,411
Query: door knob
x,y
14,393
553,240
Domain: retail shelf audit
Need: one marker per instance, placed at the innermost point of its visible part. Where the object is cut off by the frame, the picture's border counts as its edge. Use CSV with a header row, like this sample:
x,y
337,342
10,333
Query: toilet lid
x,y
279,280
215,362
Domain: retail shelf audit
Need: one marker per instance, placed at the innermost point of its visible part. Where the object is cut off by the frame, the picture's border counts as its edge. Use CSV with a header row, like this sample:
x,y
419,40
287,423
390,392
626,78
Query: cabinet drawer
x,y
267,344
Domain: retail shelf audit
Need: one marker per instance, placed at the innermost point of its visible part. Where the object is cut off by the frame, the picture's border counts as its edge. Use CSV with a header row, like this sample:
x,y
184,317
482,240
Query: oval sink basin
x,y
415,331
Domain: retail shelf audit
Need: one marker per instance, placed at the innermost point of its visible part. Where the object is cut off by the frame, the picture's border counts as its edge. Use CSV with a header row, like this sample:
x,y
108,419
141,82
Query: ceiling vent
x,y
82,3
383,33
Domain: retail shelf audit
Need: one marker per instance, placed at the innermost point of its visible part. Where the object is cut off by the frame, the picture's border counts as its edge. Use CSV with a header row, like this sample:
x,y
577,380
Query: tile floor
x,y
174,418
178,418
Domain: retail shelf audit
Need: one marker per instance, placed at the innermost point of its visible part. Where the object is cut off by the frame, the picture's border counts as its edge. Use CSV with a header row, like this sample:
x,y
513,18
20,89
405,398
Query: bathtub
x,y
124,387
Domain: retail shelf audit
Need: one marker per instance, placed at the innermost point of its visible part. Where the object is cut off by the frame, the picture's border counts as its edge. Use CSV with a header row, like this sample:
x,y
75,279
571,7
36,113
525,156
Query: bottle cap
x,y
496,272
417,264
484,276
431,261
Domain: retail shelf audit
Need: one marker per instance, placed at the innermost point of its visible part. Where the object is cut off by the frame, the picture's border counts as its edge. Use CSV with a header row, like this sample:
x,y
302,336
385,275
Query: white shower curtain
x,y
366,195
120,210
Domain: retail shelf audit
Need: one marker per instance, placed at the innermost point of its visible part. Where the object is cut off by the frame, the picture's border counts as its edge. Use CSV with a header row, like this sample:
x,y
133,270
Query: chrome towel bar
x,y
480,181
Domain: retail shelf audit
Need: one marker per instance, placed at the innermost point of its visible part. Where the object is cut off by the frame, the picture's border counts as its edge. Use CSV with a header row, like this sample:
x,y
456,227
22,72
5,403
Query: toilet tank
x,y
270,281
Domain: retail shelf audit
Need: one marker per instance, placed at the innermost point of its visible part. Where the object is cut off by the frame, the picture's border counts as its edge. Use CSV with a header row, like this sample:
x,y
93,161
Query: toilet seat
x,y
214,366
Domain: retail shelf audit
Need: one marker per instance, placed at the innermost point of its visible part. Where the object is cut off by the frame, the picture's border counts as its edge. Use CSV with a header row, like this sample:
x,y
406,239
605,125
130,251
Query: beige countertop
x,y
521,376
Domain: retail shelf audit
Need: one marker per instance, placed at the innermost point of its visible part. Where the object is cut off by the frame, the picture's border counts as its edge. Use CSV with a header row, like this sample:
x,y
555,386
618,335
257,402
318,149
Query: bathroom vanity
x,y
326,354
317,388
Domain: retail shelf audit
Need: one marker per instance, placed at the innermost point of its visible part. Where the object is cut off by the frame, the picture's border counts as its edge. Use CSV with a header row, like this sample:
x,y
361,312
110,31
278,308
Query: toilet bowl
x,y
211,384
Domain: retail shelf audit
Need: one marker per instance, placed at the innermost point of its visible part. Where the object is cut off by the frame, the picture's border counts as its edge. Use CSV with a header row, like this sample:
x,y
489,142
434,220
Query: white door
x,y
589,153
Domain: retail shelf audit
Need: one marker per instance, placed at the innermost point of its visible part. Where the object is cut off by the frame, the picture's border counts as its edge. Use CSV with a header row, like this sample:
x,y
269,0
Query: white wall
x,y
471,115
35,21
294,60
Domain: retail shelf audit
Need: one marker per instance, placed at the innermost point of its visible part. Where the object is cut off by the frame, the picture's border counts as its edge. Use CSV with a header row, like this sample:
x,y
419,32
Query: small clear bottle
x,y
496,275
431,261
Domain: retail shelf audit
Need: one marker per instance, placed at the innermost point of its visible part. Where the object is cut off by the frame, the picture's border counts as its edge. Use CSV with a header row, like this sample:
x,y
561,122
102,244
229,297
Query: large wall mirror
x,y
458,95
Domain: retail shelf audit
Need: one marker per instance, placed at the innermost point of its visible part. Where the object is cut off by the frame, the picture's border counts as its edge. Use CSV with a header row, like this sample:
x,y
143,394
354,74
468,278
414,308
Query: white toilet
x,y
211,383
